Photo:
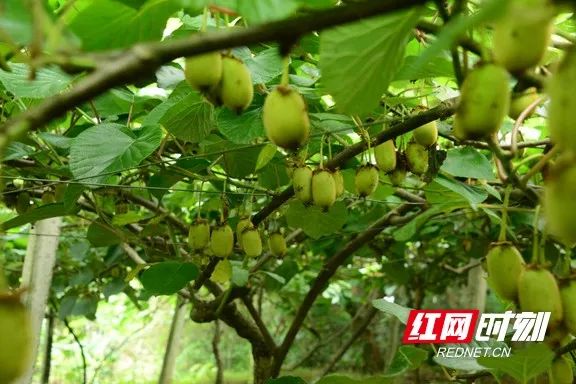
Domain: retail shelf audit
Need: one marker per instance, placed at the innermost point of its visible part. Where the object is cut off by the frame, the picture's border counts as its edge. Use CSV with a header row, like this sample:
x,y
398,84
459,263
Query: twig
x,y
77,340
131,252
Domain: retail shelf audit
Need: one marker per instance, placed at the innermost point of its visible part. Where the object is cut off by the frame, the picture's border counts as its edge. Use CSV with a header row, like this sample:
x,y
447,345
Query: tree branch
x,y
328,270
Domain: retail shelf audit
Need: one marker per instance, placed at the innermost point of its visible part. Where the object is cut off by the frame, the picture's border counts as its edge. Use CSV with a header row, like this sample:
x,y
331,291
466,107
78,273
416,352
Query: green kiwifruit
x,y
237,91
504,264
521,101
277,244
222,241
199,235
417,158
568,295
222,272
366,180
251,242
203,71
339,180
559,202
522,35
323,189
538,292
563,103
385,155
15,338
484,100
243,223
427,134
302,183
560,371
285,118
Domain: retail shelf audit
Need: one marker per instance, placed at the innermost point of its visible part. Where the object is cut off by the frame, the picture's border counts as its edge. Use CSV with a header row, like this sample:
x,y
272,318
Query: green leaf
x,y
437,67
17,150
259,11
16,21
314,221
339,379
410,229
470,193
243,129
108,24
191,119
105,149
468,363
48,81
407,358
168,277
467,162
524,364
239,274
266,154
101,234
128,218
43,212
358,61
391,308
72,305
265,66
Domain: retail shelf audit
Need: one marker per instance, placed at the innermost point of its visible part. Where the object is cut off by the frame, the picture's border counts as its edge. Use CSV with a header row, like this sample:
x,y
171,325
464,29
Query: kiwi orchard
x,y
304,172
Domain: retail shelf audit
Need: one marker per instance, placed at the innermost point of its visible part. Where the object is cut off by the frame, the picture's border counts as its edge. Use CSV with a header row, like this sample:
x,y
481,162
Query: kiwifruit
x,y
243,223
285,118
199,235
522,35
203,71
277,244
237,91
251,242
484,100
23,203
427,134
385,155
559,202
222,241
339,180
568,295
417,158
521,101
222,272
302,183
504,264
15,338
538,292
560,371
366,180
563,103
323,189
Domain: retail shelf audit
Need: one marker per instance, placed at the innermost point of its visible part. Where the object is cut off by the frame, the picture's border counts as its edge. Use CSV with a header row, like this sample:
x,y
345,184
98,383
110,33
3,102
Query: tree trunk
x,y
47,364
37,278
173,347
263,365
477,287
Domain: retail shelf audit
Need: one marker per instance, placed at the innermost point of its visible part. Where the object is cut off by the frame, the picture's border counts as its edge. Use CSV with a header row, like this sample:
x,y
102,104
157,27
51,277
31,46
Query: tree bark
x,y
173,344
37,278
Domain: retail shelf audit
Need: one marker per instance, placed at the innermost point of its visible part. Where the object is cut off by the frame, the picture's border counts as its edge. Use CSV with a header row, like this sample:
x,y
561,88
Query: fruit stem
x,y
535,245
322,152
504,223
538,166
285,71
204,20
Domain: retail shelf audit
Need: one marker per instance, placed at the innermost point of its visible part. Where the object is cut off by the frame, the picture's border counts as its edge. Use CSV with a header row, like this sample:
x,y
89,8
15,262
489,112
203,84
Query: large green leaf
x,y
407,358
359,60
109,24
466,363
264,66
100,234
340,379
524,364
108,148
400,312
314,221
467,162
258,11
168,277
16,21
48,81
243,129
191,119
40,213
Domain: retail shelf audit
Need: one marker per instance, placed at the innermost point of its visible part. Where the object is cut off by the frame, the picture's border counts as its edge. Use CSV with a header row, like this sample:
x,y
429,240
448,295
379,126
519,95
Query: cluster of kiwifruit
x,y
534,288
223,78
15,334
521,37
219,242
